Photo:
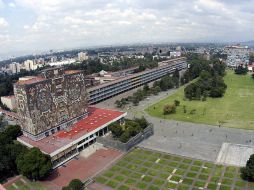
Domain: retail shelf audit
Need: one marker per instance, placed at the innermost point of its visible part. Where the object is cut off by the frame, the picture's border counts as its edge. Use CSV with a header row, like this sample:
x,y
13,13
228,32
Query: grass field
x,y
233,110
145,169
25,184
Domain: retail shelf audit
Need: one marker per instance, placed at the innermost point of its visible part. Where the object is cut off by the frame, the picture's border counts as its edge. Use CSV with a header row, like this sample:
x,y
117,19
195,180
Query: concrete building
x,y
29,65
14,67
9,101
237,55
131,81
82,56
45,102
54,115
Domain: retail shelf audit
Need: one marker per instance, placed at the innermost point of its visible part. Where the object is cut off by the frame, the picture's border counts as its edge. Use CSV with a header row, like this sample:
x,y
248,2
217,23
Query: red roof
x,y
95,119
31,81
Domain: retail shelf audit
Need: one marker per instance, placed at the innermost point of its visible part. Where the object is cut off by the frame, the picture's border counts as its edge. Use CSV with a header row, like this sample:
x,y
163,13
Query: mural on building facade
x,y
46,104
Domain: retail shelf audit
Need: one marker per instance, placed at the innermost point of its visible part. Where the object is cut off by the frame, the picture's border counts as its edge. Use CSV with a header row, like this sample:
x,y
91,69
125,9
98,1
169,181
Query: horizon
x,y
27,27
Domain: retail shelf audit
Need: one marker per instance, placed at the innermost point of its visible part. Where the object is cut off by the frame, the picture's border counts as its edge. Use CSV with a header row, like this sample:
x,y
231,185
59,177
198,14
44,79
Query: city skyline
x,y
29,26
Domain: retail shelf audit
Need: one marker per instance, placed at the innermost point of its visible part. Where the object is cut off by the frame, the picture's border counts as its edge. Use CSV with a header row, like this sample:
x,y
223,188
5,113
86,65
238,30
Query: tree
x,y
177,102
116,130
143,123
76,184
169,109
240,70
247,172
146,88
34,164
125,137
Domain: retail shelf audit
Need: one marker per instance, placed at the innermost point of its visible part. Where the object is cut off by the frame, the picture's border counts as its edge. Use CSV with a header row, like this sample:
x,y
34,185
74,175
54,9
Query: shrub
x,y
169,109
177,103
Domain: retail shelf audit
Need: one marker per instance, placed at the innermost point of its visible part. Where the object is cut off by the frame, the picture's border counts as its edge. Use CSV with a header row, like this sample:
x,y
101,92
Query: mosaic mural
x,y
50,102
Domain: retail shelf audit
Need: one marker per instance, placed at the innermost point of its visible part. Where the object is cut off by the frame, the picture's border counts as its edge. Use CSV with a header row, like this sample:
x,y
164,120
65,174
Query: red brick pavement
x,y
83,168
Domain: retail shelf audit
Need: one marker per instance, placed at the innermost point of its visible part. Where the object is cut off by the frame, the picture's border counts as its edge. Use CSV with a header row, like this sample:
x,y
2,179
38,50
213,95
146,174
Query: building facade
x,y
110,89
14,67
50,102
237,55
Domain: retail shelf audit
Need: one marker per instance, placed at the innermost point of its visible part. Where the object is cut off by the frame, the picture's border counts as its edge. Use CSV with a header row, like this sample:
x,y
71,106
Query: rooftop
x,y
31,80
96,118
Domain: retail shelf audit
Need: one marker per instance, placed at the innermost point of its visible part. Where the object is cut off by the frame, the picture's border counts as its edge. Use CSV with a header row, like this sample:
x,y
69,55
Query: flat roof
x,y
96,118
32,80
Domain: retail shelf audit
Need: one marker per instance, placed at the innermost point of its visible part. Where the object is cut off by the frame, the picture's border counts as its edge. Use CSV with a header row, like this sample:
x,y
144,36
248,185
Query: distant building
x,y
28,65
175,54
14,67
9,101
82,56
237,55
64,62
53,59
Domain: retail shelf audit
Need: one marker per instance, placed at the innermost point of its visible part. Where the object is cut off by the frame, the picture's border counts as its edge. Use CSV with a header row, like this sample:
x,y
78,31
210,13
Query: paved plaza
x,y
234,154
81,168
193,140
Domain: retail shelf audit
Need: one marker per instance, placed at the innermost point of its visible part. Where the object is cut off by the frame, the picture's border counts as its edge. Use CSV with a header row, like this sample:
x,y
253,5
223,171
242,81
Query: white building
x,y
14,67
82,56
174,54
28,64
237,55
65,62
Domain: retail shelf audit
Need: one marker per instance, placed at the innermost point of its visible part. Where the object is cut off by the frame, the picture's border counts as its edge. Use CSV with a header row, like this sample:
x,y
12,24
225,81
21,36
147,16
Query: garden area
x,y
151,170
130,129
234,109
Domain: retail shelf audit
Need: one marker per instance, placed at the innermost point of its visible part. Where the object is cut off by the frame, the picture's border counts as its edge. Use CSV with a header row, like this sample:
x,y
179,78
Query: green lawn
x,y
159,174
233,110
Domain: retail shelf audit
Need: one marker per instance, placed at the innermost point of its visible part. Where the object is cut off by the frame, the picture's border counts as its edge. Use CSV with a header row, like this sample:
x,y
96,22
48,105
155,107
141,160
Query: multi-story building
x,y
237,55
131,81
45,103
54,115
29,65
82,56
14,67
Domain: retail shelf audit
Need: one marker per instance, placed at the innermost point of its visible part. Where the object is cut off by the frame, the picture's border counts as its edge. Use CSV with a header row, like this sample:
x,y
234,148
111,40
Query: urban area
x,y
135,116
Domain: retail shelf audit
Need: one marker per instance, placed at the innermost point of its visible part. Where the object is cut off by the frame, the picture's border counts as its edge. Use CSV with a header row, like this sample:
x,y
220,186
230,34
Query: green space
x,y
159,171
234,109
25,184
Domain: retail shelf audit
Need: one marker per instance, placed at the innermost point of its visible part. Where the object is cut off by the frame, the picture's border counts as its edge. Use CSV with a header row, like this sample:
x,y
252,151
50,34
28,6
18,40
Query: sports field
x,y
145,169
233,110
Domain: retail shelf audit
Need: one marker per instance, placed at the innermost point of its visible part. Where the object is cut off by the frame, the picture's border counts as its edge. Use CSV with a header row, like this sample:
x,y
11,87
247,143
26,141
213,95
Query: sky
x,y
38,25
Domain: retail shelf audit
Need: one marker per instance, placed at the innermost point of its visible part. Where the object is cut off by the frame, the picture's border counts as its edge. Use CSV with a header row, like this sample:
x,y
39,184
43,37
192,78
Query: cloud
x,y
65,23
3,23
12,4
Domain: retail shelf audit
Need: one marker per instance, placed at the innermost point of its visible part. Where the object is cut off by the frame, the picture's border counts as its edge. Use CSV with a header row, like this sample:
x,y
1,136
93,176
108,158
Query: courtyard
x,y
233,110
153,170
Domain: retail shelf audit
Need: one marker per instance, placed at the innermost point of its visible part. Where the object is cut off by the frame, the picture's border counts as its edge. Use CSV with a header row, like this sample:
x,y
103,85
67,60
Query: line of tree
x,y
241,70
18,159
165,83
210,82
130,129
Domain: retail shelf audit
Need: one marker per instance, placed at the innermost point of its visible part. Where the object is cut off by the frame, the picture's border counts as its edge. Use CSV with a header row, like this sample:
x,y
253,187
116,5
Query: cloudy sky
x,y
30,25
